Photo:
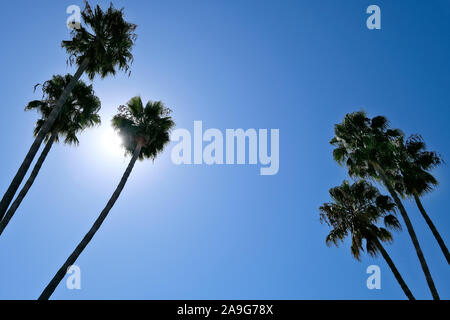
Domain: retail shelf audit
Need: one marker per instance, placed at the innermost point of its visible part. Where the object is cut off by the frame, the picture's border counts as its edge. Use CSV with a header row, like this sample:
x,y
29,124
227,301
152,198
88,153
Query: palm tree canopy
x,y
79,112
106,44
149,126
414,164
355,210
361,141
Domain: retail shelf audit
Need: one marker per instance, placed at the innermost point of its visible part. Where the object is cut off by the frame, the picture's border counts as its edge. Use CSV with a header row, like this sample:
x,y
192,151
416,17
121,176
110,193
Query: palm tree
x,y
145,133
415,180
80,111
100,50
369,150
356,210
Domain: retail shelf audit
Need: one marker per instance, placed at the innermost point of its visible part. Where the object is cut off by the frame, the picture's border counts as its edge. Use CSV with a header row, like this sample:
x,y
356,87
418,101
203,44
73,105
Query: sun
x,y
112,143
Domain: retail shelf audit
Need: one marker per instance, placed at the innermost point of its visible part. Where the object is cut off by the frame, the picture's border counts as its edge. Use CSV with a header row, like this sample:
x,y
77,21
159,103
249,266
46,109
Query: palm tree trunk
x,y
394,270
4,222
48,291
18,178
432,227
411,231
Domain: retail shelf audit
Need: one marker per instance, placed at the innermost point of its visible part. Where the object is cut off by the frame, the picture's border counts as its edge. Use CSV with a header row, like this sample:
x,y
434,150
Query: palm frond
x,y
149,125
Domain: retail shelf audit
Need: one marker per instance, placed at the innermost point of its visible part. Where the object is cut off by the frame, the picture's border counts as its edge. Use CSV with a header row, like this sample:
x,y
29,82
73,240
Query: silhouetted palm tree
x,y
415,180
370,150
100,50
145,133
79,112
355,210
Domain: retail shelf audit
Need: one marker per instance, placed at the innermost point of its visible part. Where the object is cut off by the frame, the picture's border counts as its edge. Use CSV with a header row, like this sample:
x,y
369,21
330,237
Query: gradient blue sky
x,y
224,232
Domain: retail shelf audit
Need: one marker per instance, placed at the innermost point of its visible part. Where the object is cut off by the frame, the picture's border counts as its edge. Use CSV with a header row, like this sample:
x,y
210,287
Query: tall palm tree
x,y
145,133
369,149
80,111
356,209
414,179
100,50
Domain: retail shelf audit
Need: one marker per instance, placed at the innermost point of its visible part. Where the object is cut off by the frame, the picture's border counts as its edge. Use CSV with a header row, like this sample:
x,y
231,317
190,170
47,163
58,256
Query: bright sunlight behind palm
x,y
145,131
111,143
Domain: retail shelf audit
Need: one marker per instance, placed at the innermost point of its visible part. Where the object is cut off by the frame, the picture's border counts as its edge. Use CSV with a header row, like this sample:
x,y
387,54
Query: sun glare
x,y
112,143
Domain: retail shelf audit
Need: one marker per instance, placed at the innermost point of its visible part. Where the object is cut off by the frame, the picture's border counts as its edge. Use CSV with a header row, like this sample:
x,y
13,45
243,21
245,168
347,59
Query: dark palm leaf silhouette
x,y
80,111
370,149
414,178
356,210
102,49
145,132
105,42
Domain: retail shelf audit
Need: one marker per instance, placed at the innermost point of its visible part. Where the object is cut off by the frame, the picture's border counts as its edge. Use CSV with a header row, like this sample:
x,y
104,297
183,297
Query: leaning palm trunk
x,y
48,291
411,231
432,227
15,183
396,273
4,222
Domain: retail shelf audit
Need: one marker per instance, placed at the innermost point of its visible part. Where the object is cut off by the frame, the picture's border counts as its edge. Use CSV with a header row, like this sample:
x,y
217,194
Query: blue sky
x,y
224,232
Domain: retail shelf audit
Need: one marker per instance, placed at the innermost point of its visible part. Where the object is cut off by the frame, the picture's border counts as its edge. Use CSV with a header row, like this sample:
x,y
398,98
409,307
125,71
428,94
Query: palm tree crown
x,y
361,141
356,209
79,112
414,165
106,44
148,126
